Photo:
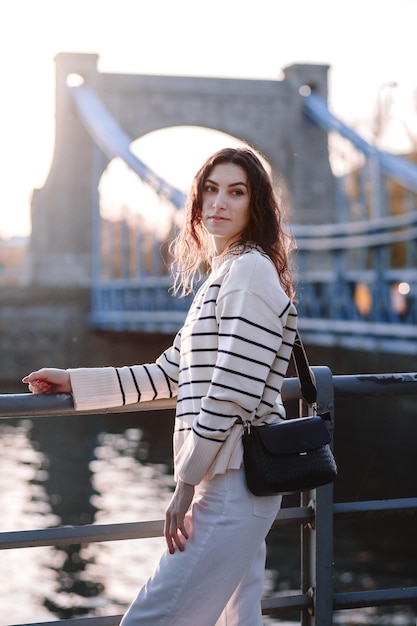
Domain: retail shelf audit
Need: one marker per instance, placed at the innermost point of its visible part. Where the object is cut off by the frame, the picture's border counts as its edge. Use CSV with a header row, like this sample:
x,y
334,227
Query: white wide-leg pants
x,y
217,580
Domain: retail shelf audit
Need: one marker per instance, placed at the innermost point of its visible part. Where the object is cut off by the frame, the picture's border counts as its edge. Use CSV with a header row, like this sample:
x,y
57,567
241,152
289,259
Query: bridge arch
x,y
136,221
159,149
267,114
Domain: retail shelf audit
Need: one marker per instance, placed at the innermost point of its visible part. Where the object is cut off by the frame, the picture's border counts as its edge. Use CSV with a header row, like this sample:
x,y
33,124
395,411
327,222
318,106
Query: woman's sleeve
x,y
106,387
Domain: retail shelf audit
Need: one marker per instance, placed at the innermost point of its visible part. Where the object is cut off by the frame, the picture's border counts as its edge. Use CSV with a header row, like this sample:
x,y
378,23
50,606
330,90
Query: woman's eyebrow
x,y
213,182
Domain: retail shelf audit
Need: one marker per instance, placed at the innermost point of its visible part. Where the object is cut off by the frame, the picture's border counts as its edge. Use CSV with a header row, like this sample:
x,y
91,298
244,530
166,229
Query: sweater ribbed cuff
x,y
194,459
95,388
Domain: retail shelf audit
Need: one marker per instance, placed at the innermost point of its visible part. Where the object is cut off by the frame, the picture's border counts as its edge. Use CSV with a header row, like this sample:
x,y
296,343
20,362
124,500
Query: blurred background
x,y
102,469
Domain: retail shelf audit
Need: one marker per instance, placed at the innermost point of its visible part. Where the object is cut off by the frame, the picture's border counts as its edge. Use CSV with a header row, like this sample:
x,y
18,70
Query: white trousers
x,y
217,580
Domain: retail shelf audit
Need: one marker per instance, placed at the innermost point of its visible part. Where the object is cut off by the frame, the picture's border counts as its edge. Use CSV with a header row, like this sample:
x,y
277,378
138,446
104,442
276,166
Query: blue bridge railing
x,y
351,291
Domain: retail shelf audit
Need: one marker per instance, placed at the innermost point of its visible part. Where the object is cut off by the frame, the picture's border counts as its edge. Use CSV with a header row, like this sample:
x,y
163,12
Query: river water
x,y
112,469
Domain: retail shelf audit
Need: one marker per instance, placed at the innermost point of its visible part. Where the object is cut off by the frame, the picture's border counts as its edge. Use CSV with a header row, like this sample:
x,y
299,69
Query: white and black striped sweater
x,y
227,362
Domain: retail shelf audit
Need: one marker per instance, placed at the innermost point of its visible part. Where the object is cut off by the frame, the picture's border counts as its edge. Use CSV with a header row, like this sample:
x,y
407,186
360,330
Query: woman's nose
x,y
219,201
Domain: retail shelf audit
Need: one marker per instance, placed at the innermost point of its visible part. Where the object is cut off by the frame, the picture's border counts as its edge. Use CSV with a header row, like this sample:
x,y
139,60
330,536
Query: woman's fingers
x,y
48,380
175,533
39,386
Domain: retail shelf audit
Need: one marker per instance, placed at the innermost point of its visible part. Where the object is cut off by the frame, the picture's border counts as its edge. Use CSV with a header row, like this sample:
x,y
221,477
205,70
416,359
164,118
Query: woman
x,y
226,365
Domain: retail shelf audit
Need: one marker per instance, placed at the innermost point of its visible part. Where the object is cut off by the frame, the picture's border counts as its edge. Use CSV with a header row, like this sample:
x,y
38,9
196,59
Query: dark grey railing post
x,y
317,538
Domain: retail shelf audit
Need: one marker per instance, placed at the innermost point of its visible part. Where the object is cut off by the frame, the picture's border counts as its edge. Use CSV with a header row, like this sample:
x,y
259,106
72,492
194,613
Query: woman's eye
x,y
209,188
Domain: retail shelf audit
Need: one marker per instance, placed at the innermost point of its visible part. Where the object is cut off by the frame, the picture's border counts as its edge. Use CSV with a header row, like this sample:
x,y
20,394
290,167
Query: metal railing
x,y
316,600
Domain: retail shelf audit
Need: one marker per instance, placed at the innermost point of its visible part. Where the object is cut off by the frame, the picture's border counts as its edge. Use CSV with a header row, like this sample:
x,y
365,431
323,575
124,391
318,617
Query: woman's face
x,y
225,204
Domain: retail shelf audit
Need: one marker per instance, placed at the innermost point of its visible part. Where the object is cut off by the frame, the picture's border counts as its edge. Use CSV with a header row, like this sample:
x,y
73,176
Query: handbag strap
x,y
305,376
304,371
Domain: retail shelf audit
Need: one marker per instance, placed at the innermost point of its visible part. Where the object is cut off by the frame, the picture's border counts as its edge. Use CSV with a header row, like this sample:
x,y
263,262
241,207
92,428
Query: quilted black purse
x,y
294,455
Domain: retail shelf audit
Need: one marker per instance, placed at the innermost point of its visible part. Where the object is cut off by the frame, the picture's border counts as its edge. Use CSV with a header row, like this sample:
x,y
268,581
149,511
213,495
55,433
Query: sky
x,y
368,44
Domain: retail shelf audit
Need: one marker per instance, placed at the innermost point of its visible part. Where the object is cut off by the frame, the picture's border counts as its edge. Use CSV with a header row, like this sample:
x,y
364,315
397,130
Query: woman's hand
x,y
175,531
49,380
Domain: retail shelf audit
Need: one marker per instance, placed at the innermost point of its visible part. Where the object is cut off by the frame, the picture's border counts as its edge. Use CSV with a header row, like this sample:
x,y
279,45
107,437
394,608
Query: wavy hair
x,y
192,248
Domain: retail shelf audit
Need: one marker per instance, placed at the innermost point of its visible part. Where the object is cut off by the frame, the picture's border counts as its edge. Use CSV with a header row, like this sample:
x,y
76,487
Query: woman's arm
x,y
106,387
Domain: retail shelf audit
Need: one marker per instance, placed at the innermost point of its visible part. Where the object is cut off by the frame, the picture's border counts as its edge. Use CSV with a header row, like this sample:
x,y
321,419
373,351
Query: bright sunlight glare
x,y
162,37
124,196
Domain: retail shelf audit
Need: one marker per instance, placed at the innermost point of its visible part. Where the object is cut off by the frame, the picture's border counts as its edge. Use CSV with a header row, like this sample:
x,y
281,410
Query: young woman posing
x,y
226,364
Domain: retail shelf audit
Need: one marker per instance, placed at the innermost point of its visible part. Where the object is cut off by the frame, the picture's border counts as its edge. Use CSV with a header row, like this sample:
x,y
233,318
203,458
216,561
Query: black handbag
x,y
293,455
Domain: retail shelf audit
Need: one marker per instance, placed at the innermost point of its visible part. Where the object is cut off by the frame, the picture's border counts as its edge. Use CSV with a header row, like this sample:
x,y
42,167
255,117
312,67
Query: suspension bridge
x,y
355,261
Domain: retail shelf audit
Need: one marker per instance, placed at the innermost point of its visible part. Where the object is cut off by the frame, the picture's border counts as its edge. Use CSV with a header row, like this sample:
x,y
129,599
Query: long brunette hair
x,y
192,248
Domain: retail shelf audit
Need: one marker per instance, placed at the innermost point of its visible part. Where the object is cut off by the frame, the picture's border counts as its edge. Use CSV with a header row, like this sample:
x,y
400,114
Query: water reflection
x,y
113,469
23,505
66,448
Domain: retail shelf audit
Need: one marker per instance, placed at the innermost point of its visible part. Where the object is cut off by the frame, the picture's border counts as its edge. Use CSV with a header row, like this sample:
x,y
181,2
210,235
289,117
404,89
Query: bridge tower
x,y
268,114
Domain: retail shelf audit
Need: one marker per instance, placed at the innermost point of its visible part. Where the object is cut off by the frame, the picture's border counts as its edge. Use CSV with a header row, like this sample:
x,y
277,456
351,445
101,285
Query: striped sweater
x,y
227,363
